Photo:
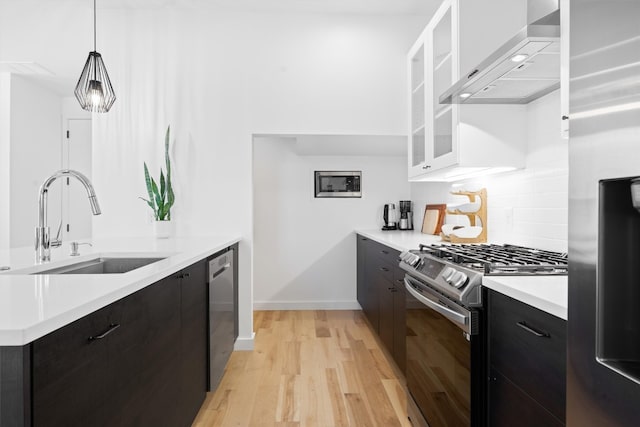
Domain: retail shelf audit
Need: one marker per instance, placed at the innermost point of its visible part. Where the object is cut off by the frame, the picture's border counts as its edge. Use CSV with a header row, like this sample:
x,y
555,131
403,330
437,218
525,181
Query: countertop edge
x,y
28,334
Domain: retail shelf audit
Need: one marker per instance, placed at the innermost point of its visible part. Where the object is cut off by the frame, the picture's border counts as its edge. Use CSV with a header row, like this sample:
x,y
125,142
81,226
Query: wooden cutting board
x,y
433,218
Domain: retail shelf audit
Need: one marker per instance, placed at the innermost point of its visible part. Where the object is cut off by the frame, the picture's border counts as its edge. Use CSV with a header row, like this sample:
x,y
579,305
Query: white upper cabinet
x,y
433,67
564,68
448,142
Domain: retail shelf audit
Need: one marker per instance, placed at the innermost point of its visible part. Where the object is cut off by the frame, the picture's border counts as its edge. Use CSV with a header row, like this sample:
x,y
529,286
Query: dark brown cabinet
x,y
527,358
380,292
194,312
139,361
71,378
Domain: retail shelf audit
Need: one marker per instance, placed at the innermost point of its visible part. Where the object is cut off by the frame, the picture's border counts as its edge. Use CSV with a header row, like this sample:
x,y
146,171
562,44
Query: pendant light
x,y
94,90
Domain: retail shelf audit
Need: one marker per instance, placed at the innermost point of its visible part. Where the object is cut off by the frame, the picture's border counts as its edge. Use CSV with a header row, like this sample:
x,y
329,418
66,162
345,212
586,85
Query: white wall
x,y
5,160
304,247
218,78
35,153
530,206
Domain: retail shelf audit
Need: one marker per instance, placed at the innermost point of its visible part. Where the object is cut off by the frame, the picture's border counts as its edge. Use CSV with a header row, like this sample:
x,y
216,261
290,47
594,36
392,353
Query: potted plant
x,y
161,197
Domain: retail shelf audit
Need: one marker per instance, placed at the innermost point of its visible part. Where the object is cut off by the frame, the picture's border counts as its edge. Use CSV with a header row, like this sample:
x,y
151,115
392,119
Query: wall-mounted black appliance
x,y
338,184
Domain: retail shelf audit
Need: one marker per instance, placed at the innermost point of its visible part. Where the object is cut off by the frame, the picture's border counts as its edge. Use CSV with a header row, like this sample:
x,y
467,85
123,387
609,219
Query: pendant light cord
x,y
94,25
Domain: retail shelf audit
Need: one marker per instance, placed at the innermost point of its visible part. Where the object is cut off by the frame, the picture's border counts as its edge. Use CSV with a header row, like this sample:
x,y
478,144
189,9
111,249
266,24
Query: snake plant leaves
x,y
163,198
149,202
170,195
163,187
158,199
147,180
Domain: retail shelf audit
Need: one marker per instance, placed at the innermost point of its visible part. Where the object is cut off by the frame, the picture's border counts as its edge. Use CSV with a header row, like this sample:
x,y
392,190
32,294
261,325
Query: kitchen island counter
x,y
32,306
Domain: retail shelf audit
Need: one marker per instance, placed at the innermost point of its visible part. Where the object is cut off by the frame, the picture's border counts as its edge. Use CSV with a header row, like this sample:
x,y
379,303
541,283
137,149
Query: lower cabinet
x,y
193,348
527,364
139,361
380,292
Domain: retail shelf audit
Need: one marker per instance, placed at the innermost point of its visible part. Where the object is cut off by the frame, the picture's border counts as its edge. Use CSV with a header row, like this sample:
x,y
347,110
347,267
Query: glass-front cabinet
x,y
433,68
418,100
451,142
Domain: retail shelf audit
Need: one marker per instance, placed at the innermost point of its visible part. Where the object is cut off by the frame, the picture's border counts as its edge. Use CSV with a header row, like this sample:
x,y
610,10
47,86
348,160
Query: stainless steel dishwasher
x,y
222,314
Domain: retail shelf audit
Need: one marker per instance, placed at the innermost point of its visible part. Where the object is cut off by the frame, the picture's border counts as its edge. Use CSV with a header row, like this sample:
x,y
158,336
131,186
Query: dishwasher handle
x,y
463,321
220,271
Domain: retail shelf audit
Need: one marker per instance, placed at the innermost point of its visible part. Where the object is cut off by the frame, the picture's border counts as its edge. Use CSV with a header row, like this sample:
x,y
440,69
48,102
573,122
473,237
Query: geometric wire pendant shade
x,y
94,90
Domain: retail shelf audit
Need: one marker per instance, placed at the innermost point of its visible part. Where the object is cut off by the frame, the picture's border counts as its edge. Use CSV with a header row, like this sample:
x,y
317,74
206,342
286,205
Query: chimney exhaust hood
x,y
521,70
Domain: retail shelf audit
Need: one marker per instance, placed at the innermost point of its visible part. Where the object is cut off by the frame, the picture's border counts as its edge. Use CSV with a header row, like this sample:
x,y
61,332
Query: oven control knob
x,y
458,280
415,262
406,257
447,274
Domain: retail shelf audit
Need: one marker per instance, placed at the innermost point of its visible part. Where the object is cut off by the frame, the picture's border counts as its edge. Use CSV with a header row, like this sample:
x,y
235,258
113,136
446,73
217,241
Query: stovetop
x,y
504,260
456,270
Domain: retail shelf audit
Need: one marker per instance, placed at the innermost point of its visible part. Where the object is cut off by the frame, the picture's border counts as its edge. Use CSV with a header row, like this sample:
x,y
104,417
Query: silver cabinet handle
x,y
533,331
112,327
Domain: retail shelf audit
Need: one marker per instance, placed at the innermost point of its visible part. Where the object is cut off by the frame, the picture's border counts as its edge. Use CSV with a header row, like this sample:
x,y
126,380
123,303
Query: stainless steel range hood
x,y
521,70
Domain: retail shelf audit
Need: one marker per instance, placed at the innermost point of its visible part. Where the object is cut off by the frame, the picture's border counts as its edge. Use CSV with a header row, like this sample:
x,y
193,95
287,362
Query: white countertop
x,y
31,306
546,293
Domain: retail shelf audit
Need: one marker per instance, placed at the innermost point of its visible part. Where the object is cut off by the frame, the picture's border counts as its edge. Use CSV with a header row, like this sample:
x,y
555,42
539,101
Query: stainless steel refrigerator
x,y
603,367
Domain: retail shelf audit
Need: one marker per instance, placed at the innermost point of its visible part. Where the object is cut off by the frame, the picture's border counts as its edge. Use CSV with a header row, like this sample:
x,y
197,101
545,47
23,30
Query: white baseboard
x,y
244,344
306,305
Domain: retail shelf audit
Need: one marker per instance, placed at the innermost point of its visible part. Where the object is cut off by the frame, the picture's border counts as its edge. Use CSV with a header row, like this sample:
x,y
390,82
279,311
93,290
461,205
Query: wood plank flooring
x,y
308,368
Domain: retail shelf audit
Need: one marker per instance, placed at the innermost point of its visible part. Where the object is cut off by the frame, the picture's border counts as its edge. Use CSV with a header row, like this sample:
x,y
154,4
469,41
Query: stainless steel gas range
x,y
445,324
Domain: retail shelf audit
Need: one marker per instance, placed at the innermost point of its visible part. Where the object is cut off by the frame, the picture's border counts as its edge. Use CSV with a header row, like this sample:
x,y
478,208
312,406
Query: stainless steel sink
x,y
102,265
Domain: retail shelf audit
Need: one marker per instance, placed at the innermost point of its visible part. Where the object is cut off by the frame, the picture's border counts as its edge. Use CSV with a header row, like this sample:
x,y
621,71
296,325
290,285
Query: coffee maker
x,y
406,216
389,216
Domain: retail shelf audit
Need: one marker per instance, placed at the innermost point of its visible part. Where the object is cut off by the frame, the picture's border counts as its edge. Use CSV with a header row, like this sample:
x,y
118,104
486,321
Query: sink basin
x,y
102,265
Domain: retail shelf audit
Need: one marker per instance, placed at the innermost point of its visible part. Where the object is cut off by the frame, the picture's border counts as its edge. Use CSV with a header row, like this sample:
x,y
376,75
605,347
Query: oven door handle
x,y
454,316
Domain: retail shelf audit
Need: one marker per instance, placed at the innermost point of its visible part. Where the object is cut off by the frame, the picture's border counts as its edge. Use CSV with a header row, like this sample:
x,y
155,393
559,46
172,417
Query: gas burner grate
x,y
505,260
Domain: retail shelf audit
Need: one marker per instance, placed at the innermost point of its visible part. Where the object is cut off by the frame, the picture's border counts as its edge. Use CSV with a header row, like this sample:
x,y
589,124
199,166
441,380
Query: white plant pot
x,y
163,229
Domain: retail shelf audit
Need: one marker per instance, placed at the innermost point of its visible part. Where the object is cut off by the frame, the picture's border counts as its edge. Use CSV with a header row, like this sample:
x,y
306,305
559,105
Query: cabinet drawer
x,y
528,347
509,406
69,379
383,252
381,267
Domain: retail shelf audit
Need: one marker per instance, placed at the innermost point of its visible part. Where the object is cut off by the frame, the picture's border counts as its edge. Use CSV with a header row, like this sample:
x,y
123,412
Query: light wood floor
x,y
308,368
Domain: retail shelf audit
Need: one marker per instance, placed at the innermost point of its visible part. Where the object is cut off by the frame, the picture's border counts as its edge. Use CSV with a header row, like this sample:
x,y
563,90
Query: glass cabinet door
x,y
442,63
417,153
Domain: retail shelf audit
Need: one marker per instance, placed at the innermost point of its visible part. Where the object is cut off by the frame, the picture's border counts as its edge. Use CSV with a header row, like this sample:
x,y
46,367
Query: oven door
x,y
444,359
